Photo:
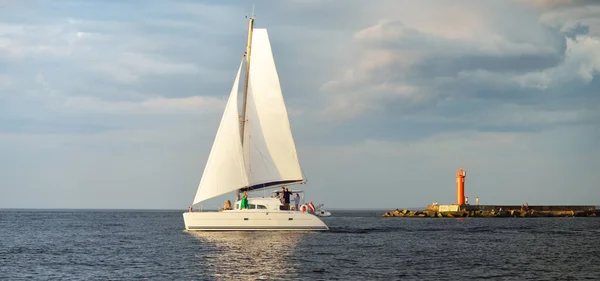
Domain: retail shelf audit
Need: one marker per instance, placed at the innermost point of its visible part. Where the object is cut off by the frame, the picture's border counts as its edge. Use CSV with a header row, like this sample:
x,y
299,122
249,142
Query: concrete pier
x,y
489,211
463,209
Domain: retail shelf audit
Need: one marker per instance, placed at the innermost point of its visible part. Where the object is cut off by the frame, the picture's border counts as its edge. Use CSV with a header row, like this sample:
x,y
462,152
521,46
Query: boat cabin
x,y
273,203
261,203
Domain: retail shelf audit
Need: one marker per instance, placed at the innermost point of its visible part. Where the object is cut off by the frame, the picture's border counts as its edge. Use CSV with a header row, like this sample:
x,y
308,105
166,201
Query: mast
x,y
246,81
246,75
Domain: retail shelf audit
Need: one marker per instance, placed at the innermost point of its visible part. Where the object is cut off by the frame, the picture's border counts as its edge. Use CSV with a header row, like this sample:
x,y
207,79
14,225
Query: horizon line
x,y
161,209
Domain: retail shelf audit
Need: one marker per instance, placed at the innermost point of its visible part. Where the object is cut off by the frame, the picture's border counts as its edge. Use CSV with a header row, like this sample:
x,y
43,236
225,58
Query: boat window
x,y
261,207
251,206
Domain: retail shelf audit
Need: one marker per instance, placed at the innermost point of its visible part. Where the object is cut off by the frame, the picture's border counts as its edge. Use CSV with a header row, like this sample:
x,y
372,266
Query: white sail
x,y
269,149
224,171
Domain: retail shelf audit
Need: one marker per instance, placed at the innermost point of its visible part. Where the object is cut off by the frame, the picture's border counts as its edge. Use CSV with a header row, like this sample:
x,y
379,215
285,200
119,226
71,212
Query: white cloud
x,y
410,66
101,46
23,40
581,64
154,105
131,67
568,17
84,63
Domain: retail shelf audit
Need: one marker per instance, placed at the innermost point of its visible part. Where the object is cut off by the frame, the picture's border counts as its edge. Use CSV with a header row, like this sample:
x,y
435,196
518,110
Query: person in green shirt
x,y
244,203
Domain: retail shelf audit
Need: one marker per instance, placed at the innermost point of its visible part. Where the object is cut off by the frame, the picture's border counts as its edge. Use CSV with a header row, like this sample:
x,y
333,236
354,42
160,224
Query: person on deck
x,y
227,205
286,199
297,201
244,203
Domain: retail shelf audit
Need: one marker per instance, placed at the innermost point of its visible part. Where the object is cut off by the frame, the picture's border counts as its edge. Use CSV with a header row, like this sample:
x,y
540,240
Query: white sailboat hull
x,y
243,220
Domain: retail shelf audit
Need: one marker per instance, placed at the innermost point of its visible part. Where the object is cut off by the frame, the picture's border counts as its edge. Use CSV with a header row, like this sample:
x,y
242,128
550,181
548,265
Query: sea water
x,y
361,245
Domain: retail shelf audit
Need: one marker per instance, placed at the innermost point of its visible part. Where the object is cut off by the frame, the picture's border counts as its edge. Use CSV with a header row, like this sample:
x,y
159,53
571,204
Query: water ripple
x,y
110,245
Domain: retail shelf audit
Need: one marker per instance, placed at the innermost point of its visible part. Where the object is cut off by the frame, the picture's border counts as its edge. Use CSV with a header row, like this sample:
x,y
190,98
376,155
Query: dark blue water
x,y
152,245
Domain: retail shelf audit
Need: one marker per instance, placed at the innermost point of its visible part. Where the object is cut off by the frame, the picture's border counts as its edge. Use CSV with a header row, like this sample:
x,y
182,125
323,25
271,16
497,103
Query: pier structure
x,y
463,209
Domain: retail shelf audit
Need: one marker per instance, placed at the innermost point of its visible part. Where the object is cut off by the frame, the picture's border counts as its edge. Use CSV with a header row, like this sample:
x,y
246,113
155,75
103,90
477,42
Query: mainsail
x,y
224,171
268,155
269,150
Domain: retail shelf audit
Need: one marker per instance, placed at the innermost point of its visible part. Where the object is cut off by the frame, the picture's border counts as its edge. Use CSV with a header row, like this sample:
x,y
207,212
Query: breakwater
x,y
492,211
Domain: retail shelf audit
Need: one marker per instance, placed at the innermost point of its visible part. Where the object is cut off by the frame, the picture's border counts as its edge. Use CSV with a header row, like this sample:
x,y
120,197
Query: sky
x,y
115,104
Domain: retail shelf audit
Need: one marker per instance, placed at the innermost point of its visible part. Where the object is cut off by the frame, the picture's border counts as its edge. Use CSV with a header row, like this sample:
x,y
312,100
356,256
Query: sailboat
x,y
251,152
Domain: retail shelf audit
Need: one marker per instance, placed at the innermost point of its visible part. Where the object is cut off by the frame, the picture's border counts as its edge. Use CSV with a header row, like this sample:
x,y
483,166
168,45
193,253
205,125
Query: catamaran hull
x,y
248,220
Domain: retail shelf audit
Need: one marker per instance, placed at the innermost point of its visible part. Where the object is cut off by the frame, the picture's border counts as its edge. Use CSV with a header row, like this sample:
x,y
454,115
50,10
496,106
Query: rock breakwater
x,y
490,214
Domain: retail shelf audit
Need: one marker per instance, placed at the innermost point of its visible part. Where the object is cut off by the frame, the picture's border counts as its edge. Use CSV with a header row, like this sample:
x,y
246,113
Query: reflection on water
x,y
249,255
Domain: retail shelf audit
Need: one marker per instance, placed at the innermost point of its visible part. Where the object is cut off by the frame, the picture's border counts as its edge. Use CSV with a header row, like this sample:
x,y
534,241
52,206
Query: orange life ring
x,y
303,208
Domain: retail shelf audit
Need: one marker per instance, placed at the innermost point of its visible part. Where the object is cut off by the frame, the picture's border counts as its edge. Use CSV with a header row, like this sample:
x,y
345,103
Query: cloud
x,y
149,106
67,66
131,67
581,64
581,17
490,75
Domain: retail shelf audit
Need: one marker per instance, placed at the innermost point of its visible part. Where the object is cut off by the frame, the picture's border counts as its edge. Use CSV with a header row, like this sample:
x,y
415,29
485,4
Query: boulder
x,y
430,213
